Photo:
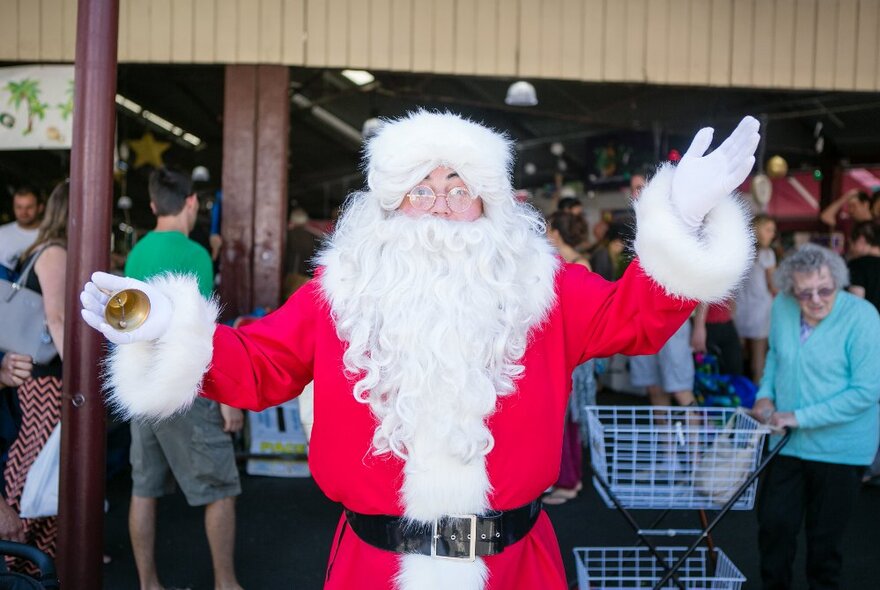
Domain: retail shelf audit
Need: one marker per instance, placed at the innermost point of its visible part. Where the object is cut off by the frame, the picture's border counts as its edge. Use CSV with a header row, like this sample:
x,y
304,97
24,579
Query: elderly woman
x,y
822,379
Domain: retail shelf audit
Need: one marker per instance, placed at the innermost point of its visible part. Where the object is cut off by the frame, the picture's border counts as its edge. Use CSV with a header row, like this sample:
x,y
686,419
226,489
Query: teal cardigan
x,y
831,381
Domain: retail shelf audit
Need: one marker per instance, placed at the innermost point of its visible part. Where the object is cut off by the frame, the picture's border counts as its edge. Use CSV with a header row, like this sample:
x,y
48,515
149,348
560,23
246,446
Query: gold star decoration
x,y
147,150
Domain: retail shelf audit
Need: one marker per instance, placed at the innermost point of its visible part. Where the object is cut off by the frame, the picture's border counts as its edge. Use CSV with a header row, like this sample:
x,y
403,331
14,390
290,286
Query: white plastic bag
x,y
722,467
39,498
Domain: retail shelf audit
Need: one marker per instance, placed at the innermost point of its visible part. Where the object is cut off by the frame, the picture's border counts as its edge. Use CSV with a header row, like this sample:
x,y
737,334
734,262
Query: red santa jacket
x,y
270,361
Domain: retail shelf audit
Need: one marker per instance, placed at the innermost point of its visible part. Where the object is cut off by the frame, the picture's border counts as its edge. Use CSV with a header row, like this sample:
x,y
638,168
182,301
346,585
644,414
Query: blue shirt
x,y
831,381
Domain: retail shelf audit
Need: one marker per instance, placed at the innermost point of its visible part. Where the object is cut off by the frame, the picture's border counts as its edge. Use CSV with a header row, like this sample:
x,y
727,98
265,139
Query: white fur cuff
x,y
159,378
706,267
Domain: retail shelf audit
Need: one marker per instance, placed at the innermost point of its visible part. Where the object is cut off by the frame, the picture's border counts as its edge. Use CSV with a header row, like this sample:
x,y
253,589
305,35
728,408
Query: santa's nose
x,y
441,205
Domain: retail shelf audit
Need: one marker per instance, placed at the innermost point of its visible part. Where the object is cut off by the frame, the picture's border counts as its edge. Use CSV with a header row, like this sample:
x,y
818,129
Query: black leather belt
x,y
457,536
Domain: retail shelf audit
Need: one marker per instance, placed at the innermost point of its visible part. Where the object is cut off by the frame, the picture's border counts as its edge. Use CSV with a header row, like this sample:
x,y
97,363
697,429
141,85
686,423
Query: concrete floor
x,y
285,527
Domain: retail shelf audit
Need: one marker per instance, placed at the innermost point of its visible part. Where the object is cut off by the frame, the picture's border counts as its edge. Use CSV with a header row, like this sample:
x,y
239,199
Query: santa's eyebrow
x,y
449,176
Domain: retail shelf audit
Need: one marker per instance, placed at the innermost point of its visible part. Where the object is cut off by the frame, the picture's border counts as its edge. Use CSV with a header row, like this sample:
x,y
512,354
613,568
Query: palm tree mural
x,y
27,91
66,107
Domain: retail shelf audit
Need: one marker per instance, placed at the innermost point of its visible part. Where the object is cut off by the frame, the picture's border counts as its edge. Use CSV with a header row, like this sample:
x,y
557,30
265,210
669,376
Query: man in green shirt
x,y
193,448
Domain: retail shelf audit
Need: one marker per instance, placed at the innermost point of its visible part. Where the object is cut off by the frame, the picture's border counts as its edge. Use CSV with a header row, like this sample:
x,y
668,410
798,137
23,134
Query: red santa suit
x,y
580,316
267,363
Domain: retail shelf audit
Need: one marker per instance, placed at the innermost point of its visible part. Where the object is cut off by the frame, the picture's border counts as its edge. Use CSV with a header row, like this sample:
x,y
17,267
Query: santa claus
x,y
441,331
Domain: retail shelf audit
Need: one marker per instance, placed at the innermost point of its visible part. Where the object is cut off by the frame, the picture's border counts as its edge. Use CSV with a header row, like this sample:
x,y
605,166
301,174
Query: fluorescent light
x,y
189,137
128,104
158,121
359,77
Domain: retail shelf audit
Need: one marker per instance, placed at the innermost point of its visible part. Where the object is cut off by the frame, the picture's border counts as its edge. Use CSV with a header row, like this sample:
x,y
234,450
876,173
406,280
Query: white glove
x,y
701,182
94,298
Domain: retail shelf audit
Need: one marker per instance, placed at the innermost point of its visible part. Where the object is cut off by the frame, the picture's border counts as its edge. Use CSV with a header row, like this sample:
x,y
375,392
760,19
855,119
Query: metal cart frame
x,y
677,458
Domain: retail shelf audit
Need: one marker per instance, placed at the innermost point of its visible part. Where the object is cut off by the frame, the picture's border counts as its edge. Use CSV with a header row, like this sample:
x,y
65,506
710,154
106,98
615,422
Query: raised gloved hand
x,y
94,298
700,181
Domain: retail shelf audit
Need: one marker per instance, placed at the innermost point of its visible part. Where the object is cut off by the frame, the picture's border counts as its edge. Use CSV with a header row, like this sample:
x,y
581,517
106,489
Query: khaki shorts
x,y
190,448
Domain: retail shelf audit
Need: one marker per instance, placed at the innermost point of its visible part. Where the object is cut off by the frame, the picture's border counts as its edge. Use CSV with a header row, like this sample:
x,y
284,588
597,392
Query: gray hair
x,y
809,259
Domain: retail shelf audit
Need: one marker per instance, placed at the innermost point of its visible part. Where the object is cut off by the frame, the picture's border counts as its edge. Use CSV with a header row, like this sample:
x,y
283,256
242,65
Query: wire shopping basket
x,y
613,568
674,458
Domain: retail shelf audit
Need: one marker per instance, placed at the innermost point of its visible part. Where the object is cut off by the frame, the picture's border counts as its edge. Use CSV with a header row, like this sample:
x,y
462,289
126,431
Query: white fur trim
x,y
706,267
405,150
159,378
436,484
421,572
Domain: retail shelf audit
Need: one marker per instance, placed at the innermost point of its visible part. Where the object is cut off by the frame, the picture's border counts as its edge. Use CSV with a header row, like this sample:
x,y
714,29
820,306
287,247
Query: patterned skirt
x,y
40,400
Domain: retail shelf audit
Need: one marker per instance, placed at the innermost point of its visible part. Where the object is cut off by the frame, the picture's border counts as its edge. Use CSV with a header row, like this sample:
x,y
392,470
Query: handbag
x,y
39,498
24,319
727,462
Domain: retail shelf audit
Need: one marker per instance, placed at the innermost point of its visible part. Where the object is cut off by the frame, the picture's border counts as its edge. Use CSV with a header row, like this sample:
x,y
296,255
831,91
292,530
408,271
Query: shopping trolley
x,y
672,458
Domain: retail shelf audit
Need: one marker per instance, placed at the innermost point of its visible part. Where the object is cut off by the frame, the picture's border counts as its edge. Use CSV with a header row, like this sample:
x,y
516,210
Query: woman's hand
x,y
763,410
15,368
784,420
10,523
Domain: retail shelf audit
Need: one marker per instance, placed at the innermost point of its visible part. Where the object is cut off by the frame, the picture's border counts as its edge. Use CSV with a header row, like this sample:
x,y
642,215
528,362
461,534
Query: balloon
x,y
777,167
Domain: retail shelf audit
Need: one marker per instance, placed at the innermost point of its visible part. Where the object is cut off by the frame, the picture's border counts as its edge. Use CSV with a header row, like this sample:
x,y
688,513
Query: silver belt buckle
x,y
471,539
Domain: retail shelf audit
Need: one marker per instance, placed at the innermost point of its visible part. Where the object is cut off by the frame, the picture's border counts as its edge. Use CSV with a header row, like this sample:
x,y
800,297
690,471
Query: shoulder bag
x,y
24,319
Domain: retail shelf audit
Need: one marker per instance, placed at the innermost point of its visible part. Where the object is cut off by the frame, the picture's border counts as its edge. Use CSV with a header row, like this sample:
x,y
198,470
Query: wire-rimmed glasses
x,y
458,199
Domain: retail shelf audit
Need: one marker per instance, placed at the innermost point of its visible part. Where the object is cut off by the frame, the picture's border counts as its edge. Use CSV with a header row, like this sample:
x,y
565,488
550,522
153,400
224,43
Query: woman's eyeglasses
x,y
459,199
808,295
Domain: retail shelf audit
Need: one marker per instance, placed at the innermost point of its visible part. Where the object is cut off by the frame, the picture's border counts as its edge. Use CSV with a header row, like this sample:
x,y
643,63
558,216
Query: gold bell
x,y
127,310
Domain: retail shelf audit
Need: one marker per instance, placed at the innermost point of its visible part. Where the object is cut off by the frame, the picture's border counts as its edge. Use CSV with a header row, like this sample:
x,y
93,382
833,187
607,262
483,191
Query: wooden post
x,y
83,450
255,147
237,227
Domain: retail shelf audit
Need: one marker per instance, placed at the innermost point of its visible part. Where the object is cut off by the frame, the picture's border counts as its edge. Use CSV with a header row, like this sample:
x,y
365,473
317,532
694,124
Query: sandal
x,y
559,496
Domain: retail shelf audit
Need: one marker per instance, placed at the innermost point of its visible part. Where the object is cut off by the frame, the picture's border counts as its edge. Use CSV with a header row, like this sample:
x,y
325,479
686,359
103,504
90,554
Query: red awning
x,y
795,196
862,179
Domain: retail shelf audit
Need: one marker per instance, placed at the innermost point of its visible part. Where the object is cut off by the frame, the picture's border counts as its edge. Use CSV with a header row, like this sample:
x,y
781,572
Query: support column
x,y
83,450
255,148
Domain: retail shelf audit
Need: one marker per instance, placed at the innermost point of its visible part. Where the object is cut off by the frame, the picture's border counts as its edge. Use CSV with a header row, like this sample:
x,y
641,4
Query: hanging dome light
x,y
200,174
370,127
521,94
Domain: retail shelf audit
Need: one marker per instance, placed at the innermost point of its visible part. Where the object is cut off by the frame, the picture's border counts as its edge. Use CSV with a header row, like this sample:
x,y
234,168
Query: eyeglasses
x,y
459,199
823,293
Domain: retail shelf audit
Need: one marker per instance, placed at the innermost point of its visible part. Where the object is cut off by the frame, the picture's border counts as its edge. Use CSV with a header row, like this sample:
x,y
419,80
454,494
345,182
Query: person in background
x,y
852,207
755,297
302,244
610,260
573,207
875,203
822,380
864,262
194,448
564,232
14,370
39,395
668,375
864,282
18,235
714,332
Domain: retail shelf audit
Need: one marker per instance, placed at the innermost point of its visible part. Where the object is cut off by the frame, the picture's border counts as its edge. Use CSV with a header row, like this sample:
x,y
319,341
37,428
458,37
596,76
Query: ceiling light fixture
x,y
160,122
521,94
359,77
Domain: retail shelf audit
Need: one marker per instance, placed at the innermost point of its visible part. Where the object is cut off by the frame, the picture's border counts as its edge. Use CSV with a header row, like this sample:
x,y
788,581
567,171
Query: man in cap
x,y
441,331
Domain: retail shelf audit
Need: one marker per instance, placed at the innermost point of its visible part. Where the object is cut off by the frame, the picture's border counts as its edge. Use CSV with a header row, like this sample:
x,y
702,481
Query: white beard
x,y
436,315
